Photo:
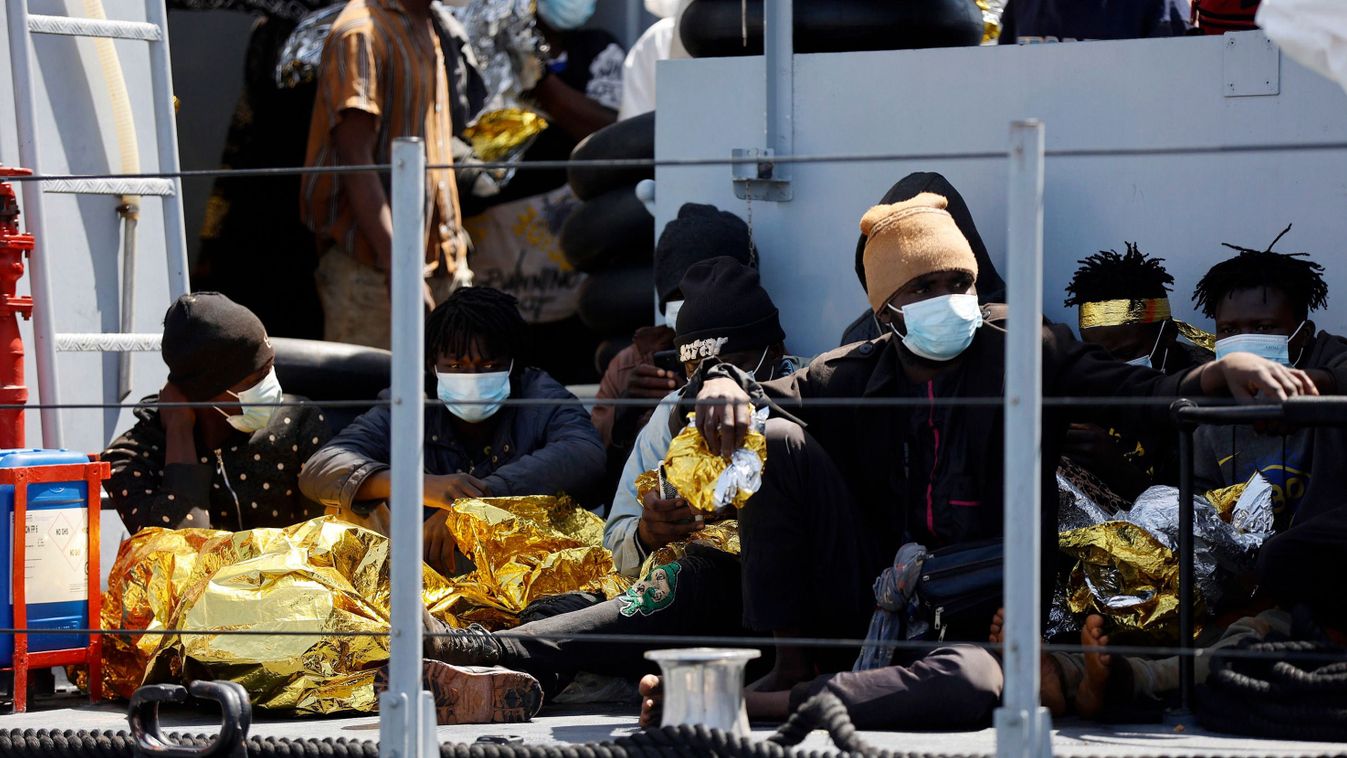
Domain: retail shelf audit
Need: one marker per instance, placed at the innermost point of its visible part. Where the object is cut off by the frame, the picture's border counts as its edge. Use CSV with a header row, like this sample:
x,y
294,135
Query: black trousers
x,y
702,599
951,687
805,565
1300,566
808,564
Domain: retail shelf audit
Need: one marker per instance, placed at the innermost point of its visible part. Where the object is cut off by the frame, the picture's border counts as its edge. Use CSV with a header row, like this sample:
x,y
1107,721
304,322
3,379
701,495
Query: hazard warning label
x,y
56,543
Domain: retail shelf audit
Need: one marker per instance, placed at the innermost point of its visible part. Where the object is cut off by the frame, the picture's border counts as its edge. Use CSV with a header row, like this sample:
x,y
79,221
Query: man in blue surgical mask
x,y
475,445
845,489
1261,303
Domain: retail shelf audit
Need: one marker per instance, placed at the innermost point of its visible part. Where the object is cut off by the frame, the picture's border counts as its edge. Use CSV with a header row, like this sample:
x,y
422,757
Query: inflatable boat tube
x,y
626,140
612,228
618,300
712,28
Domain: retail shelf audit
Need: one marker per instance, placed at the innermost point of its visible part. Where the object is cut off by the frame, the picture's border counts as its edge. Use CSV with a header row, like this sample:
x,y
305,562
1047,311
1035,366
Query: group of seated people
x,y
845,486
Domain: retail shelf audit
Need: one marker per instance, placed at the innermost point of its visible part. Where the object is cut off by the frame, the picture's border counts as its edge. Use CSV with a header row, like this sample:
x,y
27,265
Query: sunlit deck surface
x,y
560,725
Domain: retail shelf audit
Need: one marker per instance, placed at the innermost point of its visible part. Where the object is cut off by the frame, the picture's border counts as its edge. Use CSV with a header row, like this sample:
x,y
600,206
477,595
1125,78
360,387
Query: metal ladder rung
x,y
94,27
146,187
97,342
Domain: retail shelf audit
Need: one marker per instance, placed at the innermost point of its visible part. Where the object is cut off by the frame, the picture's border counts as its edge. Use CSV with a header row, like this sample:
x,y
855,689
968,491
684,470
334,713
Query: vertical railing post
x,y
1023,729
1187,580
406,713
39,279
778,40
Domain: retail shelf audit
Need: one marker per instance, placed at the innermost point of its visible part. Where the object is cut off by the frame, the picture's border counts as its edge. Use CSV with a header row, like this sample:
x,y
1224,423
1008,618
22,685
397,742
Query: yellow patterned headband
x,y
1122,312
1140,311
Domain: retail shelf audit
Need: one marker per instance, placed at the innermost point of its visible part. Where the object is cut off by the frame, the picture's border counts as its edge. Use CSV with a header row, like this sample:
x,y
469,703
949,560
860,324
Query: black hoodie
x,y
991,288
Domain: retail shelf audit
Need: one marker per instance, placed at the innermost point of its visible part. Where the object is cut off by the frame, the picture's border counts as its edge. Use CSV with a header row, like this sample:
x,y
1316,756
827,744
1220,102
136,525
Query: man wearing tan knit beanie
x,y
908,240
846,486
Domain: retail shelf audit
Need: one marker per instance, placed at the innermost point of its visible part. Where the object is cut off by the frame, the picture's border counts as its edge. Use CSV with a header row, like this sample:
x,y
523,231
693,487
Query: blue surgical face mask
x,y
1145,360
473,397
566,14
940,328
1274,347
253,417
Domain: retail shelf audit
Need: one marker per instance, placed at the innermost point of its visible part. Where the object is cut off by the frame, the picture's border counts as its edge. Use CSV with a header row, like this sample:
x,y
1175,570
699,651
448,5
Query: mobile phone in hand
x,y
666,490
668,360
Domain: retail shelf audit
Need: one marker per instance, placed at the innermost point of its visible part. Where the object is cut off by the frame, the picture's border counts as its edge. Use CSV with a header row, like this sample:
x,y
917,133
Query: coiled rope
x,y
1276,699
823,711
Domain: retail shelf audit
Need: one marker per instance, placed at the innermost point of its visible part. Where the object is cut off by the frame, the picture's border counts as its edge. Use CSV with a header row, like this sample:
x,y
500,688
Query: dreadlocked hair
x,y
1109,276
1293,273
482,314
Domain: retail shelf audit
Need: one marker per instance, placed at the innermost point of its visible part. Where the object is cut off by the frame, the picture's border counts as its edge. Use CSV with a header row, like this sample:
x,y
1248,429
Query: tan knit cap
x,y
910,239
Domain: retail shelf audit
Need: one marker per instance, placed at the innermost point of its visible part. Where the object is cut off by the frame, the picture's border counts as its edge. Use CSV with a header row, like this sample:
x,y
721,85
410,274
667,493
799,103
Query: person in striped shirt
x,y
382,77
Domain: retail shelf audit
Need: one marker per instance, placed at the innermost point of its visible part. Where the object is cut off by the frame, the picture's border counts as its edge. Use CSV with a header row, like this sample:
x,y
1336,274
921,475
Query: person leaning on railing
x,y
232,463
840,495
1261,302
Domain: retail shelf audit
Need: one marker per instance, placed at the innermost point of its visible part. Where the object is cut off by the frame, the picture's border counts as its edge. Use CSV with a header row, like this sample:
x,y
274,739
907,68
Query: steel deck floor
x,y
598,723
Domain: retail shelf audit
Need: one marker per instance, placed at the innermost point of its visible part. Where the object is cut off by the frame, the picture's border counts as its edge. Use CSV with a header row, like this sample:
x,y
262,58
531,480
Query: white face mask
x,y
254,417
940,328
1145,360
671,310
1273,347
473,397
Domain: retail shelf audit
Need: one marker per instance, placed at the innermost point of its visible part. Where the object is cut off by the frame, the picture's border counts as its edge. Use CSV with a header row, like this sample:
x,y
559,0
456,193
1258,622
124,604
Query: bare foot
x,y
652,700
1050,692
1090,696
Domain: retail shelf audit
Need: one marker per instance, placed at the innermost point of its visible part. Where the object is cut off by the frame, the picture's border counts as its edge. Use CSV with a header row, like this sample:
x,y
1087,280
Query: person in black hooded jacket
x,y
846,487
991,288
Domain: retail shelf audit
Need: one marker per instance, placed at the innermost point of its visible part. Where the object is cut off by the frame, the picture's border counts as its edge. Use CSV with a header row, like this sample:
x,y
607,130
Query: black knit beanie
x,y
211,343
725,310
699,232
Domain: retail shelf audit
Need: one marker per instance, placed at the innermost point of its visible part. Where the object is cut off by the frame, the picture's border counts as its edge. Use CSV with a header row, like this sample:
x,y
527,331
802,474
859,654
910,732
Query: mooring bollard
x,y
704,685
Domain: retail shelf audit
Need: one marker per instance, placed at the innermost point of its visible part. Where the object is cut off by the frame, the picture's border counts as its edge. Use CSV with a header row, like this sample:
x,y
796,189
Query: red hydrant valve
x,y
13,247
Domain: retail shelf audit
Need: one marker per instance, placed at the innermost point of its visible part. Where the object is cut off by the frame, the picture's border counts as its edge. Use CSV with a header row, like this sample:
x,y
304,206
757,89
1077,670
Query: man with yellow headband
x,y
845,487
1124,308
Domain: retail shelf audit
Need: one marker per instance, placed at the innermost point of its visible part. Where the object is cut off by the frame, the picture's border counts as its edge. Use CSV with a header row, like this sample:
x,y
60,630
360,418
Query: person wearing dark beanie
x,y
698,233
726,315
232,463
726,312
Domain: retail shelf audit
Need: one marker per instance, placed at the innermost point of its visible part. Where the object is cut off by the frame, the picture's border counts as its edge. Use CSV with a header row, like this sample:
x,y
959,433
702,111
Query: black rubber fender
x,y
321,371
631,139
713,28
618,300
613,228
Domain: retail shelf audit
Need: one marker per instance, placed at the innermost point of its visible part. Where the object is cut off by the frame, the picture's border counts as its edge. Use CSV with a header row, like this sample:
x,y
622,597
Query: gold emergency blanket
x,y
723,535
151,570
497,134
524,548
703,478
1125,573
323,575
1140,311
1225,498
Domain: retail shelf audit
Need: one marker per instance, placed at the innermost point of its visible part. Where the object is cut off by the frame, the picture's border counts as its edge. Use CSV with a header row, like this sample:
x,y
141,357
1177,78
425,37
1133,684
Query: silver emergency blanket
x,y
303,49
505,39
1221,548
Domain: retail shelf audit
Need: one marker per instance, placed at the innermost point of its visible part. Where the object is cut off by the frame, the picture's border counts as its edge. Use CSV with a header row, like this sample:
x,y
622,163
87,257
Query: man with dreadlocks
x,y
1124,308
474,445
1261,301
